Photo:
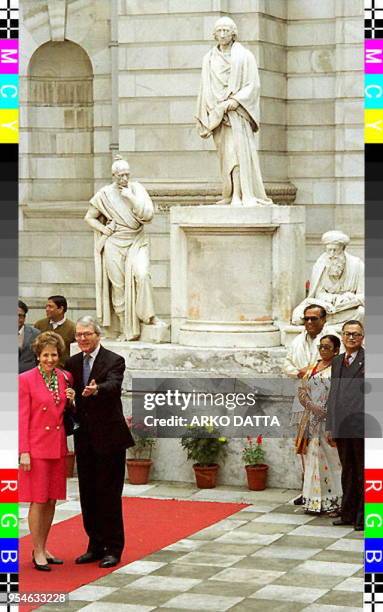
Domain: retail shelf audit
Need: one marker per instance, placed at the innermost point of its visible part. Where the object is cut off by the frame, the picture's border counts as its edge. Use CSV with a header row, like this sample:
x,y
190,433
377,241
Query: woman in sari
x,y
322,490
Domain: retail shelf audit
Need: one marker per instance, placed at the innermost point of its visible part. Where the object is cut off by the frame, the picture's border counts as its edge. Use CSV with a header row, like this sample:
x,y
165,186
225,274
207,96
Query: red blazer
x,y
41,427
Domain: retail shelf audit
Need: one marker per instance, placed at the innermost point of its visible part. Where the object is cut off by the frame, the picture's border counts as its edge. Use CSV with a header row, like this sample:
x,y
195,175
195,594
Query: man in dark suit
x,y
26,335
345,422
100,443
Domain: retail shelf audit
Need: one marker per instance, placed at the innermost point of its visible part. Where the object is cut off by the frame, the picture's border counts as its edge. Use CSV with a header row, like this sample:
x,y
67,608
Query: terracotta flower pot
x,y
206,475
138,470
256,476
70,460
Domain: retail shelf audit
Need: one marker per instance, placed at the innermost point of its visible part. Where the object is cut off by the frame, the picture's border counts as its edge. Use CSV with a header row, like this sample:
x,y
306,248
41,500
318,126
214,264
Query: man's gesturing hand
x,y
90,389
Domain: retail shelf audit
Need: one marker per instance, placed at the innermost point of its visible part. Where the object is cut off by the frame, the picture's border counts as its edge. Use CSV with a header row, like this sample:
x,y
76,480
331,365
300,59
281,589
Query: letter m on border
x,y
7,56
371,58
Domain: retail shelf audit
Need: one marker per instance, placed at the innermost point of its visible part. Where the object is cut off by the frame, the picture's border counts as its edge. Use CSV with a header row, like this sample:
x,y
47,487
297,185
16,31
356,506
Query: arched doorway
x,y
60,122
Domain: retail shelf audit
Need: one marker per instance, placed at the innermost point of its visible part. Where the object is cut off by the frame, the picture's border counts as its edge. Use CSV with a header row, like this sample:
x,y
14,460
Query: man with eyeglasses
x,y
345,422
303,353
100,441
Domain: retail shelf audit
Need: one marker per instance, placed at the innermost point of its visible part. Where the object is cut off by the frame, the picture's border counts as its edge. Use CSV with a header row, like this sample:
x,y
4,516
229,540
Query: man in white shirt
x,y
56,320
303,351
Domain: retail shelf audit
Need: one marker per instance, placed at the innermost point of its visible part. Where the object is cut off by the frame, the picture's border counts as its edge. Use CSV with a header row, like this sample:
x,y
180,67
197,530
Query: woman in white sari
x,y
322,490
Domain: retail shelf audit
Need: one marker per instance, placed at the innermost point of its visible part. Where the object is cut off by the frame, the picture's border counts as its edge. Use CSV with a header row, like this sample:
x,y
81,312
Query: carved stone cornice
x,y
167,196
164,197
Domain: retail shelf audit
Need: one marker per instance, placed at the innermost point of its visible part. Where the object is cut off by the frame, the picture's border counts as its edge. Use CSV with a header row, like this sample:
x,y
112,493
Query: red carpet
x,y
150,525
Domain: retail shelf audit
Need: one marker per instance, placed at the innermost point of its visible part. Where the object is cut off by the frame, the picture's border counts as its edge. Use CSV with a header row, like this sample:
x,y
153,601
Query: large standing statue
x,y
228,108
337,282
118,213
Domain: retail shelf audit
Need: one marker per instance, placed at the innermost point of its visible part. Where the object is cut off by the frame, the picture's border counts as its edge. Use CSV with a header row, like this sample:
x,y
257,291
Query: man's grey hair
x,y
88,321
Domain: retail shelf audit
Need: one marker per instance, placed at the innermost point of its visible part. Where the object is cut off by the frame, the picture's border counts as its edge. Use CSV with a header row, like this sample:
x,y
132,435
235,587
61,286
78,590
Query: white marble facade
x,y
98,77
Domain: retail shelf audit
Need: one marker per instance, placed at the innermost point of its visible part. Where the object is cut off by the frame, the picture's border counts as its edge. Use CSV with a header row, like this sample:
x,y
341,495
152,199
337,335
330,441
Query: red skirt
x,y
45,480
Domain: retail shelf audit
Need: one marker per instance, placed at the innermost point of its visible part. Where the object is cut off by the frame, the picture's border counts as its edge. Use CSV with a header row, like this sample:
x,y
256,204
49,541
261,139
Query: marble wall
x,y
144,60
325,117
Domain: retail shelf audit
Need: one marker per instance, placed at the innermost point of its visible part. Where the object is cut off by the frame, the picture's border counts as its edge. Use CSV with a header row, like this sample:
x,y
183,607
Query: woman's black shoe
x,y
54,561
42,567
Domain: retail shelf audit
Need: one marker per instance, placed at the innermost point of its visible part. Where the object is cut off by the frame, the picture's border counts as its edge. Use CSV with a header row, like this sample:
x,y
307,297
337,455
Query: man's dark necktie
x,y
347,360
86,369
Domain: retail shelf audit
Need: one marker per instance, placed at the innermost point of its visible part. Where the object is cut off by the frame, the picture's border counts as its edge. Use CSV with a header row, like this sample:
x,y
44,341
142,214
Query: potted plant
x,y
139,463
256,470
205,447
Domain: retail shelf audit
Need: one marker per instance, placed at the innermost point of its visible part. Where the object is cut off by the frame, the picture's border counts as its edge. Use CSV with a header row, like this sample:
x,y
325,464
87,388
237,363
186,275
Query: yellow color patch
x,y
373,125
9,126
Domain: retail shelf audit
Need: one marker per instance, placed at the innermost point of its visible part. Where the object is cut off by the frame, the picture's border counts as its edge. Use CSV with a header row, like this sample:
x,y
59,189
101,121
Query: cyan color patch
x,y
9,91
373,90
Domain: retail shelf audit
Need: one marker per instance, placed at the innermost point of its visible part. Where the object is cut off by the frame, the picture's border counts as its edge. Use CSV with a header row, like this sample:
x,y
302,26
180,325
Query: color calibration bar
x,y
373,137
9,138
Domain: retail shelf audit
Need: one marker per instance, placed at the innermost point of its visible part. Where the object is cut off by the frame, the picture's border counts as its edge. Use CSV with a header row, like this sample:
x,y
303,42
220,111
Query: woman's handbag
x,y
302,439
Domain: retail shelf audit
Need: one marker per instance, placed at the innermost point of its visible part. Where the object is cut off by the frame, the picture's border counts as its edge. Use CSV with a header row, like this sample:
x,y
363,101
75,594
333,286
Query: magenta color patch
x,y
9,56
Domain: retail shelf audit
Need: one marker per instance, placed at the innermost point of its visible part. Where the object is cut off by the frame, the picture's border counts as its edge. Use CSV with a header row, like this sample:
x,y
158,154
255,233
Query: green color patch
x,y
373,520
9,520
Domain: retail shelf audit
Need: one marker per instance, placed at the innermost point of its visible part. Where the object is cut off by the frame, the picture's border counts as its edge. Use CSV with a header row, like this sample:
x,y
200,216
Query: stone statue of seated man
x,y
337,282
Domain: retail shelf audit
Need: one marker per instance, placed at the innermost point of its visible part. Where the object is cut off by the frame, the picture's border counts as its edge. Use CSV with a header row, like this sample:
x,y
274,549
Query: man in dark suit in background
x,y
100,443
345,422
26,335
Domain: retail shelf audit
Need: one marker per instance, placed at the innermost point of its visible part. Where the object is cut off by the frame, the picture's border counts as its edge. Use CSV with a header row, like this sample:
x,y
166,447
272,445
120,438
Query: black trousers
x,y
351,455
101,480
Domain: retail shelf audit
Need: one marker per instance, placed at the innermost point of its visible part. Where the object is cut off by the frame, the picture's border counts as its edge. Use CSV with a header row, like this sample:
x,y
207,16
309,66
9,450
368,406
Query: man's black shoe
x,y
298,501
88,557
339,522
359,528
109,561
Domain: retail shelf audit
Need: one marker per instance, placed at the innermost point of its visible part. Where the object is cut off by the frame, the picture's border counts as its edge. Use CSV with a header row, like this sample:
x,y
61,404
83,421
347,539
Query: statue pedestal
x,y
155,334
169,361
235,273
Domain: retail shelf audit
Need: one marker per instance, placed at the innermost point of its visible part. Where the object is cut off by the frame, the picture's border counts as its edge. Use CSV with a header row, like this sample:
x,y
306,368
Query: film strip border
x,y
9,138
373,18
373,592
373,138
9,19
9,543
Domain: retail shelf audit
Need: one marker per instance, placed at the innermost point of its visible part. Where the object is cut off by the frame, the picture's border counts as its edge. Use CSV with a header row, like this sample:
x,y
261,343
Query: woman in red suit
x,y
44,392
